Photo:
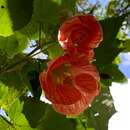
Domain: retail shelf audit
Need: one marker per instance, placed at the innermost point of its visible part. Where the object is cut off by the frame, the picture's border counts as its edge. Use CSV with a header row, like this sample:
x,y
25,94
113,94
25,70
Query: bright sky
x,y
104,2
125,65
121,96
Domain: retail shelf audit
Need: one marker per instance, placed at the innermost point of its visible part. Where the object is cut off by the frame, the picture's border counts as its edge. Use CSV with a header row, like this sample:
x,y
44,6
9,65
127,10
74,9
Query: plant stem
x,y
6,120
40,29
44,49
33,51
13,66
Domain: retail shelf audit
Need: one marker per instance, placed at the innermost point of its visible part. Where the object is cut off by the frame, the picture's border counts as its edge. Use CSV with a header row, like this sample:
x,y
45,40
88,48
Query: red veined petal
x,y
62,94
96,34
42,78
76,108
47,91
86,68
61,83
66,95
57,62
81,32
87,84
80,59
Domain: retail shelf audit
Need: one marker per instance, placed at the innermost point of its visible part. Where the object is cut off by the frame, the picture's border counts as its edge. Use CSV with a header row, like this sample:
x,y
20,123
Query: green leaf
x,y
98,115
3,59
3,92
3,124
55,50
126,45
11,73
111,73
46,13
21,122
20,12
5,22
34,110
15,109
111,8
22,74
54,121
30,72
67,4
17,120
43,117
17,86
12,45
14,79
115,74
110,47
31,30
7,96
22,41
90,129
42,16
79,125
9,45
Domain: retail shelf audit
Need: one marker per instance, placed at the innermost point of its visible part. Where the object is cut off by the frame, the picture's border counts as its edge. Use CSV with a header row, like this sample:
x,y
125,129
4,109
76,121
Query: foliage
x,y
15,119
25,21
98,115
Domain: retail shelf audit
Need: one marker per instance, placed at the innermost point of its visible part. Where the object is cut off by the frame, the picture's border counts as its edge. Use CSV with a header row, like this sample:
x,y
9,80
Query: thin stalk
x,y
13,66
6,120
44,49
40,35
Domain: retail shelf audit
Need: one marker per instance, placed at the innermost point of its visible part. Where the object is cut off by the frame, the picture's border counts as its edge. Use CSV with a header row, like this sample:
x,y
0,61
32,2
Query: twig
x,y
49,46
40,29
13,66
29,54
6,120
11,69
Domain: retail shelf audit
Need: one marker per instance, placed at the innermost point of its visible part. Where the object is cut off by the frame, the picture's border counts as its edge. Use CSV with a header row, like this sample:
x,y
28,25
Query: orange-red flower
x,y
70,86
80,32
71,82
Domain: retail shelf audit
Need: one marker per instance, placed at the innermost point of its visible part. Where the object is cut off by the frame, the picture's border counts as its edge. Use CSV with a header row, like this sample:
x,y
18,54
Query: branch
x,y
6,120
12,67
24,60
44,49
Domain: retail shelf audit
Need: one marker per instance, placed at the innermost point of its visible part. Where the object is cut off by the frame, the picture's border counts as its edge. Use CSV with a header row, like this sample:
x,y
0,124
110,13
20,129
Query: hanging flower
x,y
80,32
71,87
80,57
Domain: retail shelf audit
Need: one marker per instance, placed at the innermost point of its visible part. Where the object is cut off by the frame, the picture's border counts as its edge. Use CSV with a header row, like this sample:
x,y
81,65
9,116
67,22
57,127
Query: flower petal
x,y
87,84
66,95
76,108
70,83
80,32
